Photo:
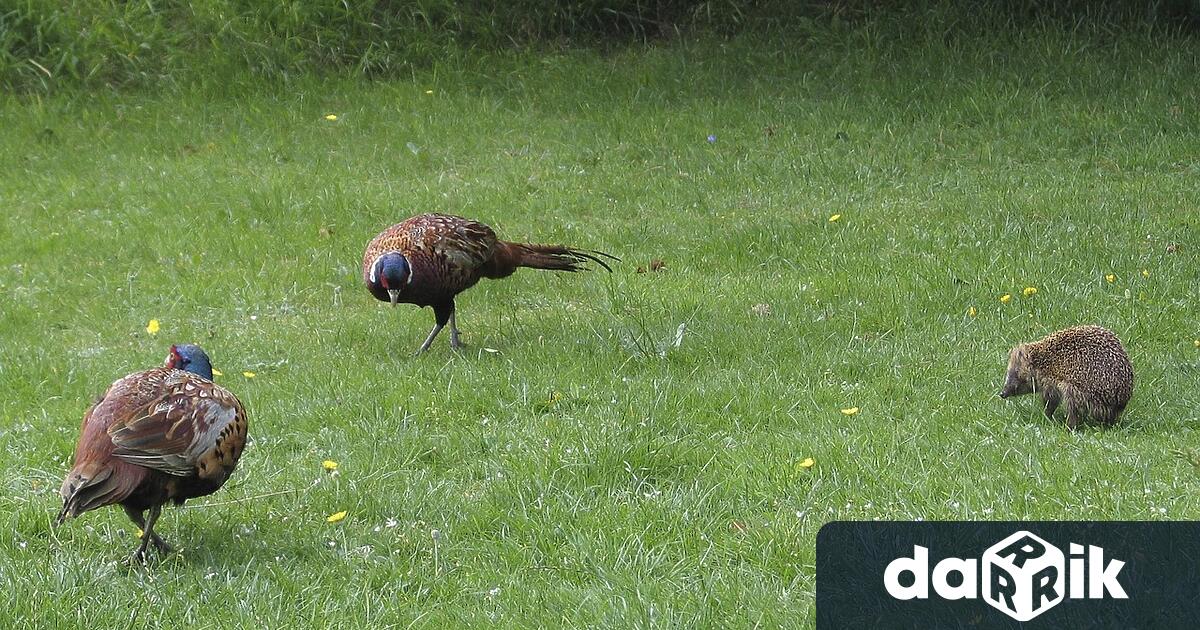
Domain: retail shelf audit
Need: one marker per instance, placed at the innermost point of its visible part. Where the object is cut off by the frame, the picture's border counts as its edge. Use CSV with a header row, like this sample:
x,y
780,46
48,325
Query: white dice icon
x,y
1023,576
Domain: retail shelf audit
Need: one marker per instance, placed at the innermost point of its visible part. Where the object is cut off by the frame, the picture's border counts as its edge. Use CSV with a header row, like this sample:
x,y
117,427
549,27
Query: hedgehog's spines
x,y
1084,368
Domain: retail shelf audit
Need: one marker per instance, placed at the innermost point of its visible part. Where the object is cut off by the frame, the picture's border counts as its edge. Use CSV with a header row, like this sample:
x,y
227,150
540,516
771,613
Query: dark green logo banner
x,y
1008,575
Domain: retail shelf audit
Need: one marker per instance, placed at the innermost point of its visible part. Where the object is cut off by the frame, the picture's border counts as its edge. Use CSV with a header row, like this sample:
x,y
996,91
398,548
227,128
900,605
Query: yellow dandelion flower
x,y
1145,273
217,372
153,327
331,117
249,374
336,517
1028,291
1196,343
329,465
971,312
807,462
1110,278
835,218
1005,299
849,411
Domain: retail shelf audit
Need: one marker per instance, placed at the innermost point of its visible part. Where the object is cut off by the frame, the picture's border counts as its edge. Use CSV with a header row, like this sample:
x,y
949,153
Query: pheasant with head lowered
x,y
429,259
166,434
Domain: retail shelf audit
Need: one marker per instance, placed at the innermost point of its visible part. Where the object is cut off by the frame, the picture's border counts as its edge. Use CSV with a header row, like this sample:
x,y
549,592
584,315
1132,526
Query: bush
x,y
109,42
45,43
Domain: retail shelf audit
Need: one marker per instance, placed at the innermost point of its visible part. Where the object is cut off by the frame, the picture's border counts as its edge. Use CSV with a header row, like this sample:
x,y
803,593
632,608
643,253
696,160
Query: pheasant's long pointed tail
x,y
555,257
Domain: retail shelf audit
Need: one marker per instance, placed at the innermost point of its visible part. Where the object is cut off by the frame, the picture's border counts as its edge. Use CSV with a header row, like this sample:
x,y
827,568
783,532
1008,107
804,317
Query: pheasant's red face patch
x,y
383,281
173,359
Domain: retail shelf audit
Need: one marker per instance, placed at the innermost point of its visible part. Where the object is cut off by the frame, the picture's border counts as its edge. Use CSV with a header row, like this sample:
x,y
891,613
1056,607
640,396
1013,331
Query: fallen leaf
x,y
807,462
657,265
217,372
835,218
336,517
850,411
330,116
249,374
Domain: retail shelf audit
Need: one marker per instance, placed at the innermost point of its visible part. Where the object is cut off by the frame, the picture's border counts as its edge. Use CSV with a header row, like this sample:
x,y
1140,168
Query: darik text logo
x,y
1022,576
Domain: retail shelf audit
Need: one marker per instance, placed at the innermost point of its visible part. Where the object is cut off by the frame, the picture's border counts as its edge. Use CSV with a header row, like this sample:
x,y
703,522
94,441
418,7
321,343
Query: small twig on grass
x,y
257,496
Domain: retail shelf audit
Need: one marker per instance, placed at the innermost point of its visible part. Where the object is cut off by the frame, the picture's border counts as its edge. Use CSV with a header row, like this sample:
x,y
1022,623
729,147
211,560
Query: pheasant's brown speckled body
x,y
156,436
1084,367
429,259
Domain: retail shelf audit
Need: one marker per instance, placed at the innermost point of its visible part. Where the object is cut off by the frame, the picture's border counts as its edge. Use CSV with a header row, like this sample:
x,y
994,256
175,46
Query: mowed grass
x,y
575,466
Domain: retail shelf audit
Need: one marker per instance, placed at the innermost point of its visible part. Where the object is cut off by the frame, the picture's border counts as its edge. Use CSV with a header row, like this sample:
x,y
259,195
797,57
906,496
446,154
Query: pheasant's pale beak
x,y
394,294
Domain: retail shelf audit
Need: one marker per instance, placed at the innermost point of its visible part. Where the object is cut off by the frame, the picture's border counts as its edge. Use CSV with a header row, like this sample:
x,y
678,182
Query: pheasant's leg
x,y
161,546
455,342
137,518
441,314
437,328
139,554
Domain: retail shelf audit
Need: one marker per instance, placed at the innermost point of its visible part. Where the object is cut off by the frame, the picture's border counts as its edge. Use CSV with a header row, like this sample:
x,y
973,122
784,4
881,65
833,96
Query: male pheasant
x,y
166,434
429,259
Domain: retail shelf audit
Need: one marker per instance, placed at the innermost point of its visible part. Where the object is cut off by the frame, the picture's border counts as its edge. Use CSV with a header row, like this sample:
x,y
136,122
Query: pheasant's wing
x,y
194,428
464,244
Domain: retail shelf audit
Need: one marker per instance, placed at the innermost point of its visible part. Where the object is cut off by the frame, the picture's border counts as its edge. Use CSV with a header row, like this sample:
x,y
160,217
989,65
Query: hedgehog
x,y
1084,367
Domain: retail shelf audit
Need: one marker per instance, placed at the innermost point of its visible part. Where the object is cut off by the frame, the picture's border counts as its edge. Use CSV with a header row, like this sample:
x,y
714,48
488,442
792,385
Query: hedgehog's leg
x,y
1076,407
1052,398
1114,412
1105,413
441,314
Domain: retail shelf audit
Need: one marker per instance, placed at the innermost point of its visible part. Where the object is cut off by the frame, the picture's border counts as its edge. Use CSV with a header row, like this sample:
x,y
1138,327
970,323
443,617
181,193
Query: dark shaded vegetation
x,y
116,43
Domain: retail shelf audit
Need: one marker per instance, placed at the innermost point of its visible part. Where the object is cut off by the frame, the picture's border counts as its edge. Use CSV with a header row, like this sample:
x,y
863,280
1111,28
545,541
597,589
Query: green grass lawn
x,y
578,466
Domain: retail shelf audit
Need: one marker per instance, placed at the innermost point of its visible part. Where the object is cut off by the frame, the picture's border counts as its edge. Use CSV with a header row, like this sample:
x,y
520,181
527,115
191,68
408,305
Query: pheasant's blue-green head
x,y
191,358
391,273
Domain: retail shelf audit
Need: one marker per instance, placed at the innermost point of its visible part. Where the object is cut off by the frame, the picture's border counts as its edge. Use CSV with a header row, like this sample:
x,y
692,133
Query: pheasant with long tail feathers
x,y
166,434
429,259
